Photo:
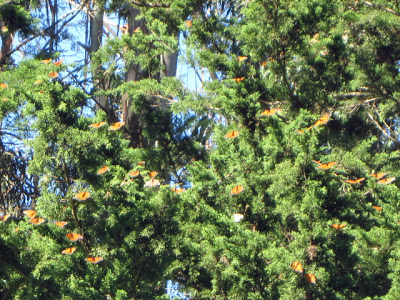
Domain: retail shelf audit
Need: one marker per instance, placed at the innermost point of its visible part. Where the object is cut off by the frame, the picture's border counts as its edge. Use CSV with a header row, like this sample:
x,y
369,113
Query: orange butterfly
x,y
39,81
94,260
297,266
232,134
178,190
30,213
153,174
97,125
3,85
325,166
4,218
152,183
239,79
359,180
116,125
53,74
36,221
73,237
134,174
82,196
270,112
323,120
137,29
189,23
61,224
379,175
46,61
311,278
141,163
242,58
387,180
237,190
103,170
378,208
338,226
69,251
264,63
58,63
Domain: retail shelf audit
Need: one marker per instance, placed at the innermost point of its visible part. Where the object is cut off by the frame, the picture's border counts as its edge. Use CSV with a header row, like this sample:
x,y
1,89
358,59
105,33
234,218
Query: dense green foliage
x,y
294,86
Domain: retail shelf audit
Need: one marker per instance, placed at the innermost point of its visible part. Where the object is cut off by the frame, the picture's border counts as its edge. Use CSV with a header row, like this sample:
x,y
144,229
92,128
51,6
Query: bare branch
x,y
382,130
381,7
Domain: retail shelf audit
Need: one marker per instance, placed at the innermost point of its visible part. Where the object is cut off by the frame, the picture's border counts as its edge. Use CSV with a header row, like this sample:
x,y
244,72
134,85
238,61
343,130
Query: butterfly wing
x,y
297,266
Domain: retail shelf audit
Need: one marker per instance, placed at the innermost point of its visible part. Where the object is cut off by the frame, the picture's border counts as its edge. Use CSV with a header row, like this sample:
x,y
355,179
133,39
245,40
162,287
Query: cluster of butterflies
x,y
73,237
132,175
298,267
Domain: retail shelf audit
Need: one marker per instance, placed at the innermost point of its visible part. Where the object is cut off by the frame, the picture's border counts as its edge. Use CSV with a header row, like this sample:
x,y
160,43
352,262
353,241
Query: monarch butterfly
x,y
141,163
69,251
4,218
297,266
53,74
359,180
239,79
116,125
58,63
152,183
232,134
97,125
73,237
242,58
82,196
46,61
3,85
338,226
300,131
61,224
30,213
153,174
387,180
379,175
238,217
270,112
264,63
134,174
36,221
378,208
103,170
94,260
137,29
237,190
189,23
322,120
178,190
327,165
311,278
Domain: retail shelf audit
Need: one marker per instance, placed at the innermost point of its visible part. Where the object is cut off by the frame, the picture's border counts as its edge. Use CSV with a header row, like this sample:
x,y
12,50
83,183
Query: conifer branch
x,y
149,4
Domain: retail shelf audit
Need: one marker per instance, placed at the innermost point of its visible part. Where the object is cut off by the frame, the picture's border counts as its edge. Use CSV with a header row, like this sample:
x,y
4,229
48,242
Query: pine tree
x,y
277,180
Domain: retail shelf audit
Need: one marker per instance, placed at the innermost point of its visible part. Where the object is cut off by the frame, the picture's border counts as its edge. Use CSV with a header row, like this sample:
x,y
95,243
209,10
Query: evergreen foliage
x,y
277,180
